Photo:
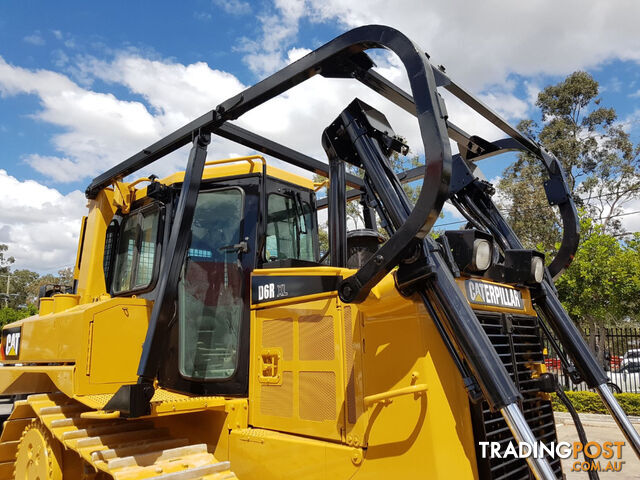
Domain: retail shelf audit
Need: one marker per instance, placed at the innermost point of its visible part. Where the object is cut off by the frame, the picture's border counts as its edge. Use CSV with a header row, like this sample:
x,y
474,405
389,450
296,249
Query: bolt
x,y
378,259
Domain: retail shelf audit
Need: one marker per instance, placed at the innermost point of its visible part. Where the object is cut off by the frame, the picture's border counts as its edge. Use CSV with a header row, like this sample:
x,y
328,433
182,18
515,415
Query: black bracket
x,y
132,401
557,190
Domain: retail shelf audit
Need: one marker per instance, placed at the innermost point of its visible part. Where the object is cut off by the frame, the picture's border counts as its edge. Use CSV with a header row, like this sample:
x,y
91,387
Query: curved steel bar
x,y
517,142
429,112
558,194
431,120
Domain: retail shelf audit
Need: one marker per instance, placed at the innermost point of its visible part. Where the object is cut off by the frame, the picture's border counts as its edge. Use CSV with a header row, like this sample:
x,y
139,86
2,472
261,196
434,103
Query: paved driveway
x,y
599,428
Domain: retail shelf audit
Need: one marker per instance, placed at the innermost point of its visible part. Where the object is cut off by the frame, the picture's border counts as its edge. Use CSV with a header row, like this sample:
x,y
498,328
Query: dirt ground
x,y
599,428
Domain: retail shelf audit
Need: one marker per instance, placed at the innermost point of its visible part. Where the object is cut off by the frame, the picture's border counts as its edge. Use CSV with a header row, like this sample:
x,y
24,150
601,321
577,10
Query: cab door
x,y
208,345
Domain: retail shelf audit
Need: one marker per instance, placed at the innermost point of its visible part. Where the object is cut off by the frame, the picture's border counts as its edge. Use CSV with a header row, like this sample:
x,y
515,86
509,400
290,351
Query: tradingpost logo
x,y
594,456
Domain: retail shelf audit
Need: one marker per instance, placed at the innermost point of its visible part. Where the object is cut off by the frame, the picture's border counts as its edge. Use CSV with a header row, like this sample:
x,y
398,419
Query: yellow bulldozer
x,y
207,336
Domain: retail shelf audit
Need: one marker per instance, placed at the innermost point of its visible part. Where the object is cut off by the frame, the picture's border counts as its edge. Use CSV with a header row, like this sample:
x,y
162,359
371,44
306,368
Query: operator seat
x,y
361,245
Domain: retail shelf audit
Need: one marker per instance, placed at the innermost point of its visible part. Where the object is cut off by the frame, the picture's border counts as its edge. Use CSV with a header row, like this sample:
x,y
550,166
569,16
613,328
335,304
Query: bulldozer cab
x,y
247,215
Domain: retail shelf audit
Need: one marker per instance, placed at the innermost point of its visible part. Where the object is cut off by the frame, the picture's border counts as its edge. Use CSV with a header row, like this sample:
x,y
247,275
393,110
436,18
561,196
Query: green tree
x,y
5,269
9,315
601,163
24,285
5,261
21,285
602,285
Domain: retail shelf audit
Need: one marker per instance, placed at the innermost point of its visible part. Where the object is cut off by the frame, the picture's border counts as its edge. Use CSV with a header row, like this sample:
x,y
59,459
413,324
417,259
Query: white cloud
x,y
39,224
631,121
202,16
99,129
526,38
35,39
267,53
57,168
234,7
631,218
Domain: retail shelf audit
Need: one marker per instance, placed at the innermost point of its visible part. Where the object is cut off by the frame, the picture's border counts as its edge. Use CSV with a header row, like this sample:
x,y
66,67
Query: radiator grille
x,y
316,337
317,396
279,333
516,339
277,400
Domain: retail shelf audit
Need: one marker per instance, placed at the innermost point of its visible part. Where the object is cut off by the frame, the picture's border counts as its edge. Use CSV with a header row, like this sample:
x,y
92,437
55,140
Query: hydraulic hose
x,y
582,435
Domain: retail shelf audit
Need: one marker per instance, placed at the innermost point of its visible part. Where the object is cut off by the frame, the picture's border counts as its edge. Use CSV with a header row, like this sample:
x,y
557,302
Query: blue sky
x,y
81,87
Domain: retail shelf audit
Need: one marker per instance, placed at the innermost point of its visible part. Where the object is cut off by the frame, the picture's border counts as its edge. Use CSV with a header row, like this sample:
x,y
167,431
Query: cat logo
x,y
492,294
11,342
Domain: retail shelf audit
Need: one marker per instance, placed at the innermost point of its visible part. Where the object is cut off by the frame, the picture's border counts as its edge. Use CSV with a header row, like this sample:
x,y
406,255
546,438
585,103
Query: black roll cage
x,y
344,57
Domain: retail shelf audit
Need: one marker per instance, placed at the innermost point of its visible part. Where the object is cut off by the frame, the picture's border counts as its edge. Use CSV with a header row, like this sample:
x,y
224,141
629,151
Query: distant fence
x,y
617,350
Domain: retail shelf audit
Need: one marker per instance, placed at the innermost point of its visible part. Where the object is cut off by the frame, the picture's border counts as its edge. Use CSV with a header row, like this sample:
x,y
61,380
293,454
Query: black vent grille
x,y
516,339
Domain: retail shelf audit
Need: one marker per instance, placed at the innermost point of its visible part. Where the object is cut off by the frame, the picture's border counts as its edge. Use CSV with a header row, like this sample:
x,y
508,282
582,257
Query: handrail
x,y
247,158
385,397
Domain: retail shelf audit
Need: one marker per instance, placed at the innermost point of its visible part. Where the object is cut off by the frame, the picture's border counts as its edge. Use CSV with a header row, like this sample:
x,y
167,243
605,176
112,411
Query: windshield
x,y
210,288
289,229
136,254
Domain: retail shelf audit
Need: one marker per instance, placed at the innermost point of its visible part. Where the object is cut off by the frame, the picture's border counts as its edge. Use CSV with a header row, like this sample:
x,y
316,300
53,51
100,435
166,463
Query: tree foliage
x,y
5,261
22,282
602,285
24,286
9,315
601,163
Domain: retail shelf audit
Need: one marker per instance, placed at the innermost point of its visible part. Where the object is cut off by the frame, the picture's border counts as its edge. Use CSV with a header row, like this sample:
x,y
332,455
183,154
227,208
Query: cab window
x,y
136,254
290,229
210,289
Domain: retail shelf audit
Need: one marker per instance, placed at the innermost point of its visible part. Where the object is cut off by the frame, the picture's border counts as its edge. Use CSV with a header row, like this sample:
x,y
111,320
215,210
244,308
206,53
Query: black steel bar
x,y
269,147
441,288
481,149
566,367
145,157
569,336
429,112
549,305
469,335
417,173
337,213
582,435
428,107
357,287
395,94
172,260
489,114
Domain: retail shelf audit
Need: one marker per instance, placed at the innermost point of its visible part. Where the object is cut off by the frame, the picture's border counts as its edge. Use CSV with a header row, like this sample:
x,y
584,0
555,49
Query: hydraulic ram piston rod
x,y
522,434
